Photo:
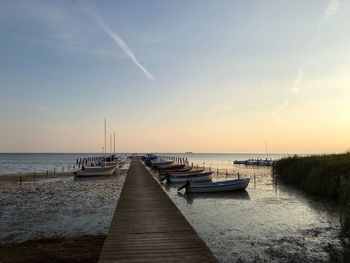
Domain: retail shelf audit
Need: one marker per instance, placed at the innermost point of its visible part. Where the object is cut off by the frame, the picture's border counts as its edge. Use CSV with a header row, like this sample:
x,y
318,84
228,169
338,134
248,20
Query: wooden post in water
x,y
226,174
20,180
62,169
68,167
217,171
34,176
47,172
238,176
54,170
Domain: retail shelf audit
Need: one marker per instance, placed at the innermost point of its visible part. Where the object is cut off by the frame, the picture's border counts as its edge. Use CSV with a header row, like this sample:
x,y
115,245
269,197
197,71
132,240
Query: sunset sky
x,y
175,76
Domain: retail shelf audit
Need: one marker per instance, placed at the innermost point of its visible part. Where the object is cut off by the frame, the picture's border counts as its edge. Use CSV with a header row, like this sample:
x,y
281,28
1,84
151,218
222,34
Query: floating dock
x,y
148,227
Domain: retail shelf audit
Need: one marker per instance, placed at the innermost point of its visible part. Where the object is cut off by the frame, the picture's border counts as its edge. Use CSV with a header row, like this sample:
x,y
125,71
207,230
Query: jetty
x,y
148,227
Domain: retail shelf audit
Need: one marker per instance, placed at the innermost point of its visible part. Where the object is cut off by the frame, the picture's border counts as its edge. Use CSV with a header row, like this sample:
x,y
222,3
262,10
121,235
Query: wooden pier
x,y
148,227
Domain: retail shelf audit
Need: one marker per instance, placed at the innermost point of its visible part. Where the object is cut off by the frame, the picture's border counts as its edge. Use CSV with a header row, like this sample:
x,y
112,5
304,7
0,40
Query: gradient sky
x,y
174,76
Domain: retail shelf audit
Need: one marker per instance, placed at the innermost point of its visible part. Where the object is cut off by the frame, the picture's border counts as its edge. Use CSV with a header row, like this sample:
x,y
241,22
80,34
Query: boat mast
x,y
110,144
105,139
114,143
267,155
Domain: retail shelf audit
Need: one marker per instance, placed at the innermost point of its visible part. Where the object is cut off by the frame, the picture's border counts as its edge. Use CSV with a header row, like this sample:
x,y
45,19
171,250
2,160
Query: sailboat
x,y
106,168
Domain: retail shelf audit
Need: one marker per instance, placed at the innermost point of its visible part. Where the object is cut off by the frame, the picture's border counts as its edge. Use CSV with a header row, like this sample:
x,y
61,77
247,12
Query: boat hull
x,y
96,171
185,173
227,186
202,177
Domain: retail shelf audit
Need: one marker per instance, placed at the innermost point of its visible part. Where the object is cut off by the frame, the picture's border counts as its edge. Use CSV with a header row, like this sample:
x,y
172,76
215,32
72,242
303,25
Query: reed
x,y
327,176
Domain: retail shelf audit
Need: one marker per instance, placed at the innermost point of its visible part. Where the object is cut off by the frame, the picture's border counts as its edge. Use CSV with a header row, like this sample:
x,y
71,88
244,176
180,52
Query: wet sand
x,y
30,177
62,249
57,205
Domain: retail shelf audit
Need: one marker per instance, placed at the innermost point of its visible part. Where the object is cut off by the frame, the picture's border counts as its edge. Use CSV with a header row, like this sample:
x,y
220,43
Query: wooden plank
x,y
148,227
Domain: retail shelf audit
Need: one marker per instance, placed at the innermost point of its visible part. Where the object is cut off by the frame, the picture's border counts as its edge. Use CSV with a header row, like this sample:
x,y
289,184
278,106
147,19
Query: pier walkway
x,y
148,227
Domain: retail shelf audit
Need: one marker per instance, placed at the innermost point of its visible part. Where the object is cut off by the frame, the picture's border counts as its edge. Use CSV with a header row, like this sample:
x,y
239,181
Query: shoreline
x,y
77,248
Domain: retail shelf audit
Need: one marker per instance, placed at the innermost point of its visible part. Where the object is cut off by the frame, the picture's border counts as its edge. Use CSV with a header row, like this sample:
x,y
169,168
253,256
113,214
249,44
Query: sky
x,y
175,76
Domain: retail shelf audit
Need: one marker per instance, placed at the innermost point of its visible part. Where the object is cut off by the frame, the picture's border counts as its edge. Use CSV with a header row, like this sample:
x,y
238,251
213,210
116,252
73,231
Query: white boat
x,y
96,171
223,186
199,177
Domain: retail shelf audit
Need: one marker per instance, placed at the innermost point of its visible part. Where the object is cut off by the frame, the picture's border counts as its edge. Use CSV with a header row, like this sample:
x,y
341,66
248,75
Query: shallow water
x,y
58,206
12,163
269,222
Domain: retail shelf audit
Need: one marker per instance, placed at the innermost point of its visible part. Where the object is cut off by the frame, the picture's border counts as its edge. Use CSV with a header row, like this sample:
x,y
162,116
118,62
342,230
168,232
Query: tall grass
x,y
324,175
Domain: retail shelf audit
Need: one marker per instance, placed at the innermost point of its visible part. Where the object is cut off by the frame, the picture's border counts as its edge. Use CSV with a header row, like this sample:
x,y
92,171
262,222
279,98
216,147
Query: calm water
x,y
270,222
11,163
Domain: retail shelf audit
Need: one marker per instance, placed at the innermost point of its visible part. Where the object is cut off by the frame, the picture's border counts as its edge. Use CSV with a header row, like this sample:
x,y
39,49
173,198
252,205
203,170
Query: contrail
x,y
276,114
121,43
118,40
296,86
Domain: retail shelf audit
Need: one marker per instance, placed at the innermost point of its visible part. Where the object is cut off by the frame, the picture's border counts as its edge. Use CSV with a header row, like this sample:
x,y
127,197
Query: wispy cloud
x,y
297,81
278,109
118,40
332,8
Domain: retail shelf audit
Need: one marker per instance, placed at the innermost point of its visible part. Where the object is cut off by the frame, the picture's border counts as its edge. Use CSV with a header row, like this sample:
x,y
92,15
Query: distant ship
x,y
188,152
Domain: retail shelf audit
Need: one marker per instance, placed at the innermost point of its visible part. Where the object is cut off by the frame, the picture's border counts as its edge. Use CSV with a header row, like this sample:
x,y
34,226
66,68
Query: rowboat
x,y
199,177
185,173
159,162
180,170
210,187
169,167
96,171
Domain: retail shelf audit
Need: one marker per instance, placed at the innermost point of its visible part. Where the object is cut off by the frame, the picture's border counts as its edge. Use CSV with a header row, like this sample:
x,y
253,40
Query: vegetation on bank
x,y
324,175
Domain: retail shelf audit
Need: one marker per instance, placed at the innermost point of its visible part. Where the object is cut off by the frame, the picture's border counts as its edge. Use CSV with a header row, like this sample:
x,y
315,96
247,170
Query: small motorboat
x,y
96,171
210,187
198,177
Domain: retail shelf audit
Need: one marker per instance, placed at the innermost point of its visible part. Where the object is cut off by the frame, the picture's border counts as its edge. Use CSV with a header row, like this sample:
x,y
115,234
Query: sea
x,y
269,222
14,163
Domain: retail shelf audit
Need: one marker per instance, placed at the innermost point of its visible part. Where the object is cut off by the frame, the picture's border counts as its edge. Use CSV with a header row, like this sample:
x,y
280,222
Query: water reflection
x,y
280,223
190,197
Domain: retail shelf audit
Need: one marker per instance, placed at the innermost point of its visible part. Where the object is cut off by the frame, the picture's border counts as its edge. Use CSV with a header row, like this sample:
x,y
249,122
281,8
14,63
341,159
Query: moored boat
x,y
199,177
210,187
157,163
96,171
180,170
173,166
185,173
